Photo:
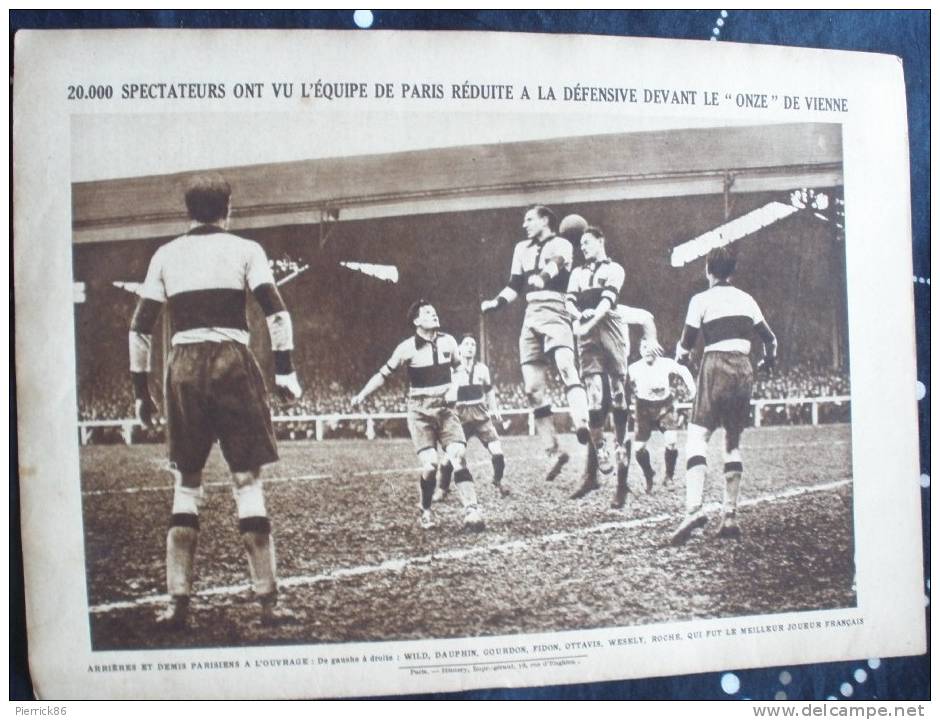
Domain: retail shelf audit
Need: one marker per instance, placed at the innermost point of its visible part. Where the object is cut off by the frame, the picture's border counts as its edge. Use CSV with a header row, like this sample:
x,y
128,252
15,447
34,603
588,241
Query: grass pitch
x,y
355,566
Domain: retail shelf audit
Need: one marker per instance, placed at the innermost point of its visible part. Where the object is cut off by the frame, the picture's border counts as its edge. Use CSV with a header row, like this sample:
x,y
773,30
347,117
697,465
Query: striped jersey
x,y
473,383
727,318
530,257
203,277
428,362
591,282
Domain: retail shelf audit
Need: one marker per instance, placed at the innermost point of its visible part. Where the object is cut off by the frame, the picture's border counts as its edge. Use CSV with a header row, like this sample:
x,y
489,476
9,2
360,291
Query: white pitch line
x,y
397,471
399,564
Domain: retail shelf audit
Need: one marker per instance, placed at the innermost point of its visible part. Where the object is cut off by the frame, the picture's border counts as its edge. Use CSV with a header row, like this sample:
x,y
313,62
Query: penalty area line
x,y
399,564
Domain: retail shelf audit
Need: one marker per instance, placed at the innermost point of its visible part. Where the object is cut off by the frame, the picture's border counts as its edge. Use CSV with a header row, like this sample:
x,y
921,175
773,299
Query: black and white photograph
x,y
387,381
533,386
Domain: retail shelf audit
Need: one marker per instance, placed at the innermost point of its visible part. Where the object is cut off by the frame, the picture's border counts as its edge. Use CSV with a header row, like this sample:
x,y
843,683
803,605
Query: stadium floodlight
x,y
731,231
388,273
131,287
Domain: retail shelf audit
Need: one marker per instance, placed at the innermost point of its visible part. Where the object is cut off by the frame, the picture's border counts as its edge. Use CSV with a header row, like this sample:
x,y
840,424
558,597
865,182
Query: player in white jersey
x,y
477,408
602,329
213,389
429,356
656,408
727,318
541,265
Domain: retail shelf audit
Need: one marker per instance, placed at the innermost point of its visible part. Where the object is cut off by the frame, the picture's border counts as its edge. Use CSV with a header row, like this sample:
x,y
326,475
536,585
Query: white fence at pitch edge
x,y
321,423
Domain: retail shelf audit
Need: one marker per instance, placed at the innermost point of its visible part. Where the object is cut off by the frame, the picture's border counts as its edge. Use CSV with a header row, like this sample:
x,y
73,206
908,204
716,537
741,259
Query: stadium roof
x,y
572,169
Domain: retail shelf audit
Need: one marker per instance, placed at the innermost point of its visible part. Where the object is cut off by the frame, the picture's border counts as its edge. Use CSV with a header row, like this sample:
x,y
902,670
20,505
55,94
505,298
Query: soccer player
x,y
656,408
540,268
477,408
214,389
601,326
727,318
429,356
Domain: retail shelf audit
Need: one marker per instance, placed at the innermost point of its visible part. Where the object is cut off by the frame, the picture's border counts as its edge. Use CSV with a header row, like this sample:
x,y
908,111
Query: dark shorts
x,y
545,329
654,415
725,381
604,350
433,422
214,391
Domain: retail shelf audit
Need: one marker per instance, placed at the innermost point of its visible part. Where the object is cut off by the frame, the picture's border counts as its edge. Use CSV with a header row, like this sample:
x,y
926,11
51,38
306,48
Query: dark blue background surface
x,y
902,33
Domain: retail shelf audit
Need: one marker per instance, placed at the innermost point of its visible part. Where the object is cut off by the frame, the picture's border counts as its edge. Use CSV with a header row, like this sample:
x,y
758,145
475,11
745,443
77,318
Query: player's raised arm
x,y
152,297
643,318
261,282
512,290
770,345
378,380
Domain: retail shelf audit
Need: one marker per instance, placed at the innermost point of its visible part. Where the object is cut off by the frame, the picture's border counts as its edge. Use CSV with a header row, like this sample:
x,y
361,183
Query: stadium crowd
x,y
114,401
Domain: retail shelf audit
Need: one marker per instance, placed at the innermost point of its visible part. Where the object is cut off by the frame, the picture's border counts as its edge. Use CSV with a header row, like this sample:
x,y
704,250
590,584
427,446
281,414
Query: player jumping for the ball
x,y
727,317
430,355
656,408
477,408
602,328
541,265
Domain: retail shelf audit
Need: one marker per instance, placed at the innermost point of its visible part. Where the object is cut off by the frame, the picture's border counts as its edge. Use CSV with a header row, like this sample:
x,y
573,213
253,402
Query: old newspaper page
x,y
466,251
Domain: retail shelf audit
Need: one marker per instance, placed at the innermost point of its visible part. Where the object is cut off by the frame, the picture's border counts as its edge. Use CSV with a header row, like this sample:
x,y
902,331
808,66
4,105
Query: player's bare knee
x,y
594,385
569,374
495,448
428,461
188,494
669,439
457,452
244,478
732,441
638,445
697,442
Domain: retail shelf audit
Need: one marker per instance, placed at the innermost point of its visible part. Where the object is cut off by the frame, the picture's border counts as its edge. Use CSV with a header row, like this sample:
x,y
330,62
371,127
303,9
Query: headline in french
x,y
331,91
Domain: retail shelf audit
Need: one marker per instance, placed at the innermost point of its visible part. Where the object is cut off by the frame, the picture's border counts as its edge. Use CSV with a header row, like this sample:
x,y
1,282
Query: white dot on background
x,y
719,22
921,390
363,18
716,31
785,678
925,481
832,697
724,13
730,683
780,695
846,689
874,663
713,38
860,676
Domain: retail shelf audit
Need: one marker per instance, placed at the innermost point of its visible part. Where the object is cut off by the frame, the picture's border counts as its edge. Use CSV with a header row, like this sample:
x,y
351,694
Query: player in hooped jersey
x,y
429,356
656,408
477,409
540,268
214,389
726,317
602,329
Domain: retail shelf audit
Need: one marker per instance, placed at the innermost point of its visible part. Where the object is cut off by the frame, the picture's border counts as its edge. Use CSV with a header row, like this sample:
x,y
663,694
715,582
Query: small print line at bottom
x,y
508,661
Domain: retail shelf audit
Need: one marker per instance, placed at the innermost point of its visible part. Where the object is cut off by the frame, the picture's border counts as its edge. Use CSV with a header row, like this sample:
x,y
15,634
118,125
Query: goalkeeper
x,y
214,389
